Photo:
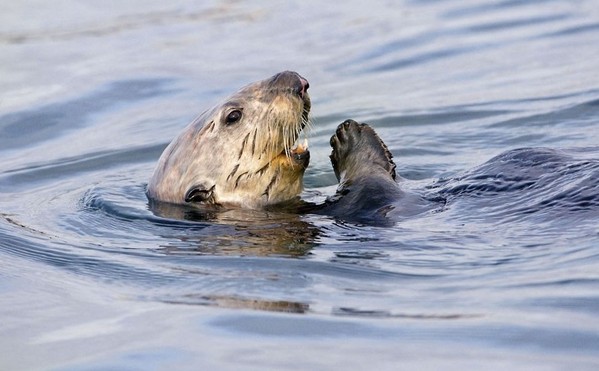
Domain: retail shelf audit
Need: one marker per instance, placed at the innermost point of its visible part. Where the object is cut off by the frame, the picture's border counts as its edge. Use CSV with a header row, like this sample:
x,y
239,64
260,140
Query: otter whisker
x,y
307,124
290,139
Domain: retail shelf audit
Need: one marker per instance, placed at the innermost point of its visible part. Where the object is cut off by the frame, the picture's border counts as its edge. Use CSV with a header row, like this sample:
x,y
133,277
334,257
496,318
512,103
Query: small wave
x,y
49,121
551,184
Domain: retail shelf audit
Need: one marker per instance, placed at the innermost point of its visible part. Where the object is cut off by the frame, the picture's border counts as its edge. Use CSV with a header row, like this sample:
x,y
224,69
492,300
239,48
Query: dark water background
x,y
504,276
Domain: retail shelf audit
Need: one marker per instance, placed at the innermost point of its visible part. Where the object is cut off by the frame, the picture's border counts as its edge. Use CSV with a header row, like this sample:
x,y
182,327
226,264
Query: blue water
x,y
491,109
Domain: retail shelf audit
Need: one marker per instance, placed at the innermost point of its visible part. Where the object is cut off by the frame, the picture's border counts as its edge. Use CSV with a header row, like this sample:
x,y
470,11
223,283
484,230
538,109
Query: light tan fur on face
x,y
248,163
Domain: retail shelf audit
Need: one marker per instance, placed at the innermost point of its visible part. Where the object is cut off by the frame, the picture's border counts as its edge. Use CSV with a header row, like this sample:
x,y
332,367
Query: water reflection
x,y
236,302
236,231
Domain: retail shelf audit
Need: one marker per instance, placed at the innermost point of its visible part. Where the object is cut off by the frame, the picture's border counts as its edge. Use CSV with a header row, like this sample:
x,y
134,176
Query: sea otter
x,y
241,153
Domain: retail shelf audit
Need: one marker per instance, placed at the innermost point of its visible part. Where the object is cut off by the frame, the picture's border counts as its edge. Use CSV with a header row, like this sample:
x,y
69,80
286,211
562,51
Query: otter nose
x,y
304,85
300,85
293,80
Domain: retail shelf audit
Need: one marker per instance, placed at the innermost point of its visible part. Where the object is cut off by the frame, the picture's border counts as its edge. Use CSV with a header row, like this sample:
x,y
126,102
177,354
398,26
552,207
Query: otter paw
x,y
357,148
345,138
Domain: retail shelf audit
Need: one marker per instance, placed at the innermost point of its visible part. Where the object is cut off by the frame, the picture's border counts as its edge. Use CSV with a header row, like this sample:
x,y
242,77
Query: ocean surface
x,y
491,109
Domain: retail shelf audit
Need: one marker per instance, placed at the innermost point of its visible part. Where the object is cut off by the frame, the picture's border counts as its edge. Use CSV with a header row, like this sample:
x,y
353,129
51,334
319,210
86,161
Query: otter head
x,y
241,152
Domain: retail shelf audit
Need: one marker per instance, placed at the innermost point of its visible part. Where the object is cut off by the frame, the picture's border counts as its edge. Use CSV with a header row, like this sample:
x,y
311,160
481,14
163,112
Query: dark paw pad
x,y
357,147
345,138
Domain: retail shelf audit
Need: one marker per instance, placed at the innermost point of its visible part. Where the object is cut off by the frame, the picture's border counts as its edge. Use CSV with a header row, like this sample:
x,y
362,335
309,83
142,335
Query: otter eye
x,y
233,117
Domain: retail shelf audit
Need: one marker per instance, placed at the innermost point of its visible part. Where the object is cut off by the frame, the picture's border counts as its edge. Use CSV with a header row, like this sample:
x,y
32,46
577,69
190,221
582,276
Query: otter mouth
x,y
295,143
298,154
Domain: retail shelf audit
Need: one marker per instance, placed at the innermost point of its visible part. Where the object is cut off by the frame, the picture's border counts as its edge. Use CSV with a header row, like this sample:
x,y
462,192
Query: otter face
x,y
241,152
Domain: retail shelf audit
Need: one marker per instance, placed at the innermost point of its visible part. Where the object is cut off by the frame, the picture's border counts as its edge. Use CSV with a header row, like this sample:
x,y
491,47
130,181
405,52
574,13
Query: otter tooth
x,y
299,147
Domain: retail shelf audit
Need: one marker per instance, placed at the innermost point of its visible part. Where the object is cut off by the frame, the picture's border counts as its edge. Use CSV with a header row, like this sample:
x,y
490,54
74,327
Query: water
x,y
505,274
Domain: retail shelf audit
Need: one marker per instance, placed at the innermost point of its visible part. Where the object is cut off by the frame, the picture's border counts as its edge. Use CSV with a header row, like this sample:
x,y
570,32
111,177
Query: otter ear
x,y
200,193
